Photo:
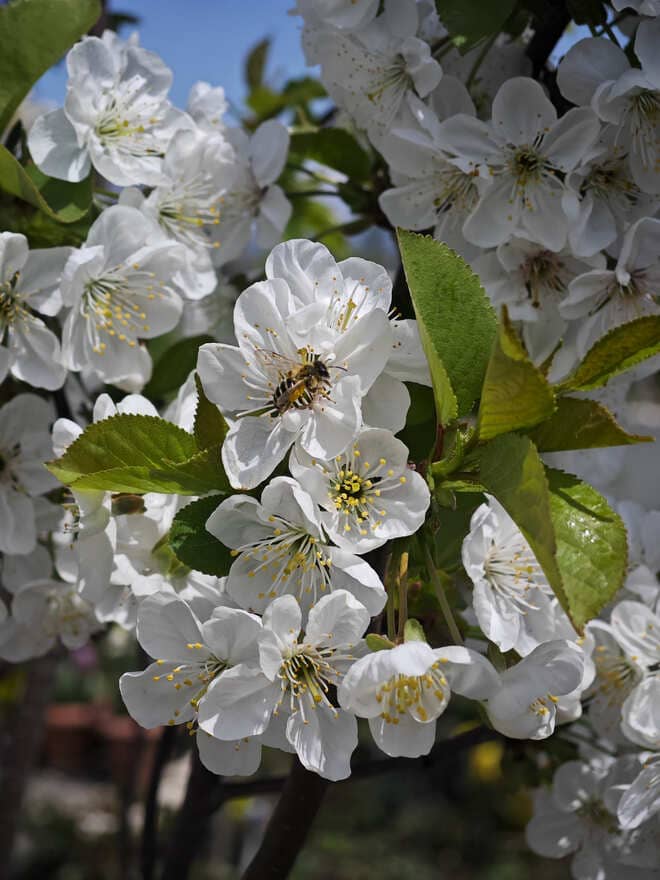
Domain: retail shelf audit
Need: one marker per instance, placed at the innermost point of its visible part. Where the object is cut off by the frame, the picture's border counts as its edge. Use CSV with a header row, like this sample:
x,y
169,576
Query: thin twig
x,y
442,598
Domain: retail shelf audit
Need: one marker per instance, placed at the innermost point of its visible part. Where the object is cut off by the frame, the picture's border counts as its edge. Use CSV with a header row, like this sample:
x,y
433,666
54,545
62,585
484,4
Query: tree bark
x,y
289,825
190,828
21,741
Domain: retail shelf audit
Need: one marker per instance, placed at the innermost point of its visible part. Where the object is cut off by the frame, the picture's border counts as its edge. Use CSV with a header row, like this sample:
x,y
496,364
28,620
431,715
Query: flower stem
x,y
436,580
402,589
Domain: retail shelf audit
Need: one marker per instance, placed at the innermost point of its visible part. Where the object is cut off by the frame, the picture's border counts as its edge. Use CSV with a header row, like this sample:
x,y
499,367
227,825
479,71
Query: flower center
x,y
595,812
423,697
11,307
121,126
512,572
542,272
617,676
306,675
189,210
456,190
527,166
109,308
610,182
293,560
641,120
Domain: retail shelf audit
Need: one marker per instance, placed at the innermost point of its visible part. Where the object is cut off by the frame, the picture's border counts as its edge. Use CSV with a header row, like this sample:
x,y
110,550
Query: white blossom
x,y
280,548
403,691
44,611
118,290
289,377
523,147
191,657
510,588
187,205
116,116
606,298
252,199
597,72
206,106
370,73
574,818
532,281
526,704
369,495
295,673
28,283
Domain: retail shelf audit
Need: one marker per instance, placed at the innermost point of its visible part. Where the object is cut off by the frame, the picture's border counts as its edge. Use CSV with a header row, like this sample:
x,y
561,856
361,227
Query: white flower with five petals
x,y
118,289
295,674
116,116
191,659
289,378
368,493
404,690
525,148
280,548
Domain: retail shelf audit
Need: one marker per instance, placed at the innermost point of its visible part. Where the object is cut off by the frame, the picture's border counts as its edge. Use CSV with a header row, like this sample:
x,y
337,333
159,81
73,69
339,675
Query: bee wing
x,y
269,360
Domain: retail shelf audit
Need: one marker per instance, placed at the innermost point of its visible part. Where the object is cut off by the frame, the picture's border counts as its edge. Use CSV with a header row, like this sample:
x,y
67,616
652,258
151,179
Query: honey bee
x,y
301,382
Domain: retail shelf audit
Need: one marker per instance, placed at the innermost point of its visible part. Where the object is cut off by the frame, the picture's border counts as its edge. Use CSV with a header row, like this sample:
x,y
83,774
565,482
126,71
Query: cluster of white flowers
x,y
556,214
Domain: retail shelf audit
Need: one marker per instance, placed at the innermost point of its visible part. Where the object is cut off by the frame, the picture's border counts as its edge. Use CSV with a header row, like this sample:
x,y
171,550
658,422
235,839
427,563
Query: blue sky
x,y
209,40
206,40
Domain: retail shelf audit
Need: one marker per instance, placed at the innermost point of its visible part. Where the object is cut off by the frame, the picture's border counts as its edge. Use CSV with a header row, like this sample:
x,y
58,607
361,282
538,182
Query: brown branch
x,y
189,832
289,825
443,752
21,741
149,842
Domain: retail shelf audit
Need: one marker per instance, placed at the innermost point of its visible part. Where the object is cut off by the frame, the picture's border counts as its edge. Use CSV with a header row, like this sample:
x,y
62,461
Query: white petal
x,y
406,738
152,703
238,758
269,146
54,147
337,619
326,742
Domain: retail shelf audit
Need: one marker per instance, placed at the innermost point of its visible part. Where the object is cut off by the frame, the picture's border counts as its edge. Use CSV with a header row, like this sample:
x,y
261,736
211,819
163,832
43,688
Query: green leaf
x,y
591,546
413,631
577,538
174,366
266,102
191,542
377,642
34,35
581,424
60,200
515,393
255,63
336,148
469,22
620,349
135,453
512,471
210,427
457,323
